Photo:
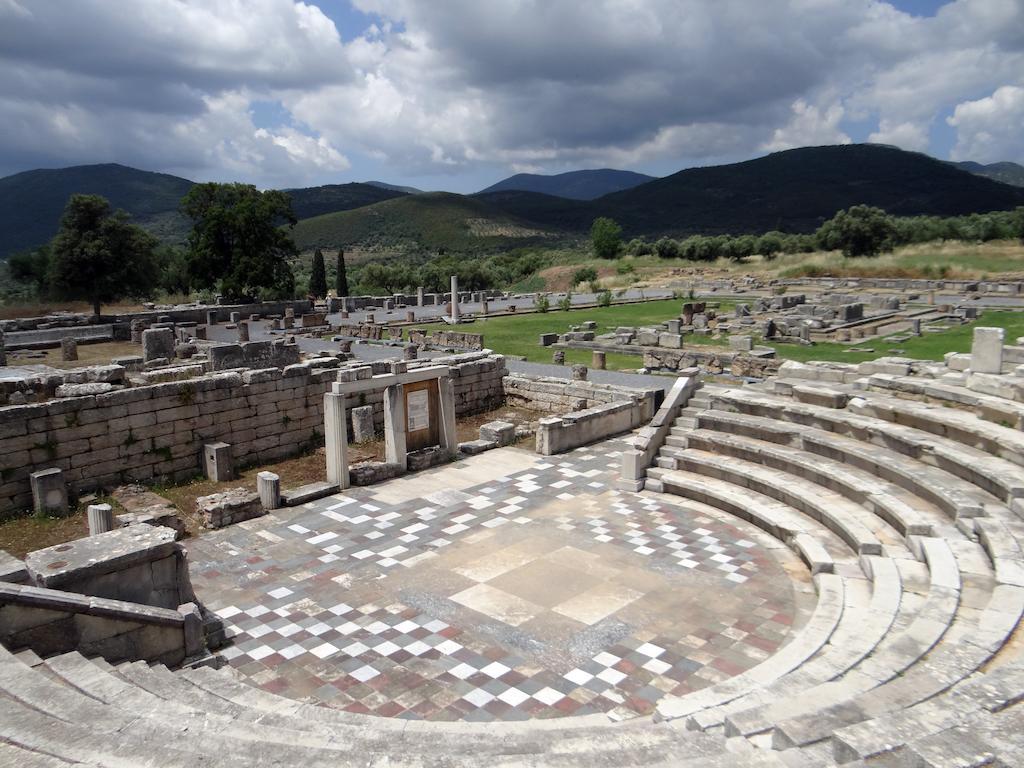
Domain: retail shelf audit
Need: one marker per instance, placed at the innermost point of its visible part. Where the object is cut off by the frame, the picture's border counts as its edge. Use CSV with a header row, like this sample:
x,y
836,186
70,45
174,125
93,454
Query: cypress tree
x,y
342,279
318,277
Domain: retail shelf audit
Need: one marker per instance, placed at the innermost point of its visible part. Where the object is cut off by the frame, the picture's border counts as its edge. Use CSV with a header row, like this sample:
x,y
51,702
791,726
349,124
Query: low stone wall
x,y
253,354
713,362
556,434
50,622
446,339
550,395
155,432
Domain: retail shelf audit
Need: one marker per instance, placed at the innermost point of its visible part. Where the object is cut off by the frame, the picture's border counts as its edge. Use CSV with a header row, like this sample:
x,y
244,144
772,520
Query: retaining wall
x,y
158,431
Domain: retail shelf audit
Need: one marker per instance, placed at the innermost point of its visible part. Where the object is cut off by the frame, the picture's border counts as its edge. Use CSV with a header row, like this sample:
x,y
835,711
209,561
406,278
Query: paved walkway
x,y
506,586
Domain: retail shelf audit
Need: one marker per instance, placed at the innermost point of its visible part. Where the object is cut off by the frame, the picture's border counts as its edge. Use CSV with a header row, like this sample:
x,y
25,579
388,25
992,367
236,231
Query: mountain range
x,y
795,191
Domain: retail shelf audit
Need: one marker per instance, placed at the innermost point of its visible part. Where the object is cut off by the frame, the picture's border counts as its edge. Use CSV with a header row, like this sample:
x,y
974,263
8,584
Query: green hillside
x,y
792,191
31,203
1008,173
427,222
576,185
316,201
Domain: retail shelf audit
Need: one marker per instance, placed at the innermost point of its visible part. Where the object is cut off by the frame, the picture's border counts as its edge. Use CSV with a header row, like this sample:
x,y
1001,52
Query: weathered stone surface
x,y
362,424
157,343
82,390
49,492
268,485
232,506
987,350
218,461
501,432
474,447
370,472
101,518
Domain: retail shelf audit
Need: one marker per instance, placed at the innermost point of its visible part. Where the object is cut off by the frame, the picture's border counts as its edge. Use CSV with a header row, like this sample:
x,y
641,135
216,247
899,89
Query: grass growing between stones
x,y
930,346
520,334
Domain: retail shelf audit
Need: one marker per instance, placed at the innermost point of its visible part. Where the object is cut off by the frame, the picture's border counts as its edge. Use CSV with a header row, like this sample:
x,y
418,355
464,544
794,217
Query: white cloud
x,y
990,129
453,87
810,126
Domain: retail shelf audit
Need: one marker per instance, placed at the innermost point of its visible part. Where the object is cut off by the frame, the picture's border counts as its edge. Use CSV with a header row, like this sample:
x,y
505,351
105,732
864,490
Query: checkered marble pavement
x,y
540,593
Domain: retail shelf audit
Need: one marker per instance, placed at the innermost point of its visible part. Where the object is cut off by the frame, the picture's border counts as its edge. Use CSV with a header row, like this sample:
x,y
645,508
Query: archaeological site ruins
x,y
359,532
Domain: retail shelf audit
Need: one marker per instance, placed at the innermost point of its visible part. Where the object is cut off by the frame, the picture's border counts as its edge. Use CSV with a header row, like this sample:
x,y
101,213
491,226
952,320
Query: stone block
x,y
987,350
741,343
474,447
68,349
670,340
598,360
501,432
362,424
558,357
547,339
232,506
218,462
49,492
579,372
157,343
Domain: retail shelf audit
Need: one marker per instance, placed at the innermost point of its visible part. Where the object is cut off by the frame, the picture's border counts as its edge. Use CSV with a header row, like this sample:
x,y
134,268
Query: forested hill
x,y
793,191
575,185
31,203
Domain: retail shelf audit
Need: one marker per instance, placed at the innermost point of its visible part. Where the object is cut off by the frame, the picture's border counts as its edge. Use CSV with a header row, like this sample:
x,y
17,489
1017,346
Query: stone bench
x,y
874,494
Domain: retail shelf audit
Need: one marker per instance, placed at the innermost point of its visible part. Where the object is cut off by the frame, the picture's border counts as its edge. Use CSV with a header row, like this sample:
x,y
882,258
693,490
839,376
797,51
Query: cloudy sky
x,y
456,94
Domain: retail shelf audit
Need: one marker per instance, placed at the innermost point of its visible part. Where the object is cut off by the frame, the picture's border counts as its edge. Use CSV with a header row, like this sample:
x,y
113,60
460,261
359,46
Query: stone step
x,y
878,496
987,407
811,638
894,655
982,693
843,517
864,443
23,758
867,619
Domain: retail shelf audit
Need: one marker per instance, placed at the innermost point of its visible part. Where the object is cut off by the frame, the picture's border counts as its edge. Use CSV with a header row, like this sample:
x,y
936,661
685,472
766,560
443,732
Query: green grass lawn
x,y
519,335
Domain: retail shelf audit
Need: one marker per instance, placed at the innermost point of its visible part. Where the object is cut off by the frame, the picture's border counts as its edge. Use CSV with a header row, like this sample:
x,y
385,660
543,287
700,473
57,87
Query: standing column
x,y
419,296
394,425
336,439
455,299
446,392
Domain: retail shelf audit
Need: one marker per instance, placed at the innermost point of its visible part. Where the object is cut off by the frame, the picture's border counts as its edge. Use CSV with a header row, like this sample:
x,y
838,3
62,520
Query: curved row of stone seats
x,y
961,641
134,715
986,407
973,699
869,444
852,523
867,616
881,498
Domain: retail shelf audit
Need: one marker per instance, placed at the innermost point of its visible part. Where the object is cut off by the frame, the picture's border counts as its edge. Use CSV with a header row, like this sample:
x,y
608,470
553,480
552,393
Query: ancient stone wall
x,y
447,339
559,396
145,433
736,363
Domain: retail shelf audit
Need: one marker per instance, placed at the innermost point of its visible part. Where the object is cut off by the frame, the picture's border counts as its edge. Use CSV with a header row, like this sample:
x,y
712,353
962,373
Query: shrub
x,y
604,299
543,303
565,304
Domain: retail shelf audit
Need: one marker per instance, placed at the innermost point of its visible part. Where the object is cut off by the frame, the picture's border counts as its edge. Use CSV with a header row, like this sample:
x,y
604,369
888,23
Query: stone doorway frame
x,y
352,381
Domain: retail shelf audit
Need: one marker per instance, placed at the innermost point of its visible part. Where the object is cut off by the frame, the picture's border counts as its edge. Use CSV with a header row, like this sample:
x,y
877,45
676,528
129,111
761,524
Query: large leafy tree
x,y
318,276
341,278
98,256
860,230
606,238
239,240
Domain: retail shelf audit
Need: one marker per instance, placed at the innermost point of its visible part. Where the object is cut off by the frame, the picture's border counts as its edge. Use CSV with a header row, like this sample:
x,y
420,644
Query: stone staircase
x,y
906,512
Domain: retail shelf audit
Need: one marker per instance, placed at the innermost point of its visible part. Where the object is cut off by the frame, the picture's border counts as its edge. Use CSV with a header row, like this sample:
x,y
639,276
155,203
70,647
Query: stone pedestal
x,y
419,296
218,462
211,317
268,486
157,343
558,357
68,349
741,343
632,478
483,307
243,331
201,333
597,360
289,312
288,322
579,372
410,317
547,339
410,352
101,518
235,317
370,318
49,492
987,350
915,326
394,425
362,424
